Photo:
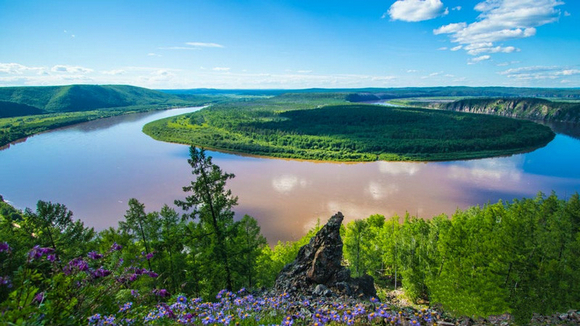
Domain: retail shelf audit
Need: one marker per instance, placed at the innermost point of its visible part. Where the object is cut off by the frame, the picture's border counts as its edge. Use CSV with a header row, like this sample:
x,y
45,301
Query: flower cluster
x,y
37,253
232,309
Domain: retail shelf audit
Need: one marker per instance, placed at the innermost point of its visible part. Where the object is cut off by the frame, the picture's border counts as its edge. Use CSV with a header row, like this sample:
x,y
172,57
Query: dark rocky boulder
x,y
317,270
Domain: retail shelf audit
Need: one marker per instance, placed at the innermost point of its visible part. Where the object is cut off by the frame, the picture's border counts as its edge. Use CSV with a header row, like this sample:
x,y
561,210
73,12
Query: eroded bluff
x,y
317,269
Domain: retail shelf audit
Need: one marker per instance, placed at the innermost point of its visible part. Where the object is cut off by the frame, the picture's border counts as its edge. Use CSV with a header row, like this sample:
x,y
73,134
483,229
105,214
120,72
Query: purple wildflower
x,y
51,258
100,272
95,255
5,280
4,247
37,252
149,256
39,297
162,293
116,247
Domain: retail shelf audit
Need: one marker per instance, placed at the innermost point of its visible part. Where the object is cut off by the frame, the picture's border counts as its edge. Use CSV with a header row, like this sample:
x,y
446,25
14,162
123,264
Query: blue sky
x,y
290,44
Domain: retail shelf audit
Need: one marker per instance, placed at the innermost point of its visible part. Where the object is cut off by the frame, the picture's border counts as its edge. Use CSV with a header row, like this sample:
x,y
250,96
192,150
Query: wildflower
x,y
126,307
5,280
4,247
100,272
37,252
181,299
94,255
116,247
135,293
51,258
162,293
149,256
39,297
94,318
152,274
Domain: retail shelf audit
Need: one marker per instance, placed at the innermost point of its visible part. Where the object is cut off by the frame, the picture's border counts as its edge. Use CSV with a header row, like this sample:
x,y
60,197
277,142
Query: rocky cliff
x,y
317,270
523,108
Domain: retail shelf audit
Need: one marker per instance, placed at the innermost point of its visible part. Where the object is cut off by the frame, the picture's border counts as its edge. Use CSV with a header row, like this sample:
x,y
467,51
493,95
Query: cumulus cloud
x,y
416,10
501,21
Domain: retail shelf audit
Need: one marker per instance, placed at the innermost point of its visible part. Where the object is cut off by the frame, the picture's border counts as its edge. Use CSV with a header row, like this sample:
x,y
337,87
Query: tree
x,y
249,244
212,204
136,222
54,227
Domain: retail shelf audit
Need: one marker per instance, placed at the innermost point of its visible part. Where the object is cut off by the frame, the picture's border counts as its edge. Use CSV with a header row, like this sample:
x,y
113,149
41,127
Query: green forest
x,y
25,111
322,127
203,266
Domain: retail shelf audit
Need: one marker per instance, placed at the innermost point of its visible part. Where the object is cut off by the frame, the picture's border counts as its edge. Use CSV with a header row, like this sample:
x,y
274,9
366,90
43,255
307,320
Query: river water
x,y
94,169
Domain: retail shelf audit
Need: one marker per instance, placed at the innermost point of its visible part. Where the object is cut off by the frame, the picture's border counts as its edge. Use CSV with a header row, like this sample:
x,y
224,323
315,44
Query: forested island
x,y
204,267
321,126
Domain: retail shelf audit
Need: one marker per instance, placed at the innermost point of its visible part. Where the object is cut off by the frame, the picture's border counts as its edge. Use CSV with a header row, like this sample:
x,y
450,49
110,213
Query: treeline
x,y
519,257
295,126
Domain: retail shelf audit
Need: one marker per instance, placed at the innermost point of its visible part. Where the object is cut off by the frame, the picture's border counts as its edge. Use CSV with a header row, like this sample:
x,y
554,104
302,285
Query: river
x,y
94,168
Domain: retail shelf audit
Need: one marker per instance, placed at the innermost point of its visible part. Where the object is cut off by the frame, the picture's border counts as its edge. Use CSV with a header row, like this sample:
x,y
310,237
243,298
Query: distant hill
x,y
523,108
75,98
11,109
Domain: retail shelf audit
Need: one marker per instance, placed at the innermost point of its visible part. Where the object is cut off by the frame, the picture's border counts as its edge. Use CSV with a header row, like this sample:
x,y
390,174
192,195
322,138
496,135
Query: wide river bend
x,y
94,168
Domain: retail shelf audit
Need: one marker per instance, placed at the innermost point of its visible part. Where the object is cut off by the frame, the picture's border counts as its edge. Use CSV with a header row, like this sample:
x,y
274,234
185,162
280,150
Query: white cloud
x,y
193,46
479,59
540,72
479,48
152,54
16,69
442,48
450,28
456,8
221,69
457,48
113,72
416,10
501,21
204,45
70,69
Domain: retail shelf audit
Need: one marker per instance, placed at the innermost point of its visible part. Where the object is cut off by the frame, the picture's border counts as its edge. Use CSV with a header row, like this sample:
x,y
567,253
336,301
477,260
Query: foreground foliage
x,y
519,257
307,127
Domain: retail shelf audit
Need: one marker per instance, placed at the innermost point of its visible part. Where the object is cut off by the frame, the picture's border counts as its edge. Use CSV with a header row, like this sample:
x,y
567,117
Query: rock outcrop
x,y
317,270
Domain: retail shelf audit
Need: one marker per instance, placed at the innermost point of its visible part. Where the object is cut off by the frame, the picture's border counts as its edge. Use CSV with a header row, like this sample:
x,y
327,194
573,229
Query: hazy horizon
x,y
258,44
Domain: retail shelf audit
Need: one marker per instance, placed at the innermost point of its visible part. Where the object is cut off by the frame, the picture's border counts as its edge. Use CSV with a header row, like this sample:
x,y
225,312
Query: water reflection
x,y
95,168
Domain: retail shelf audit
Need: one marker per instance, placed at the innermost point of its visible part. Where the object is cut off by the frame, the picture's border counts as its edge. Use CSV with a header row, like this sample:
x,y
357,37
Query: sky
x,y
285,44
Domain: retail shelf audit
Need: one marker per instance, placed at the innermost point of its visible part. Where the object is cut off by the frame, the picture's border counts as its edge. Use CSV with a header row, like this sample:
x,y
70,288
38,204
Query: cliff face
x,y
523,108
317,269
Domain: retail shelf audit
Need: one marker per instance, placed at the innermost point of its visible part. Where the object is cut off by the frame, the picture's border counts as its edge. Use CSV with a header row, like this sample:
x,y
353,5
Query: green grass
x,y
303,127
